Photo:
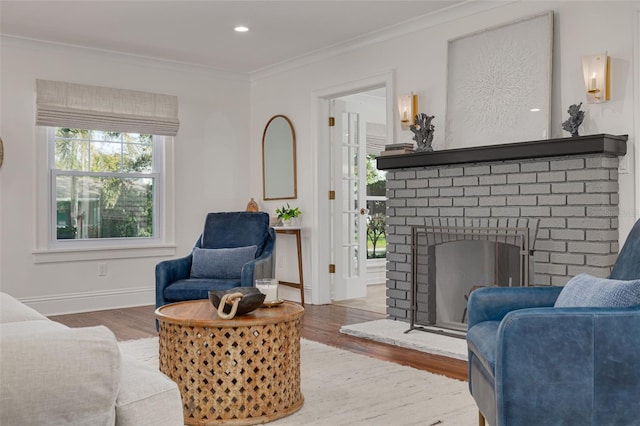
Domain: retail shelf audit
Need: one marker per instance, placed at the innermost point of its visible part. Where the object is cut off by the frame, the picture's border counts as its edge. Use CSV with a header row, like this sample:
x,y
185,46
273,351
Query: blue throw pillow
x,y
585,290
225,263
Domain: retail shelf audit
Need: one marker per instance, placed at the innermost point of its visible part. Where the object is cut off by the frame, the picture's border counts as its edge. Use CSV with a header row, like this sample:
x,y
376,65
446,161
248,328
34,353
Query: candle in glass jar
x,y
269,287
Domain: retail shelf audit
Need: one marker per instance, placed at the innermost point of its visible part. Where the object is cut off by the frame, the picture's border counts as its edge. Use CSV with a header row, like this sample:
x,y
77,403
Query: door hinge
x,y
332,195
332,268
332,121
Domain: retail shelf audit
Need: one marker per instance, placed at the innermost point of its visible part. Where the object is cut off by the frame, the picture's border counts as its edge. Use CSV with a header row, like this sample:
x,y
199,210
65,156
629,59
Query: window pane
x,y
137,138
376,229
98,151
376,179
98,135
137,158
103,207
106,156
72,154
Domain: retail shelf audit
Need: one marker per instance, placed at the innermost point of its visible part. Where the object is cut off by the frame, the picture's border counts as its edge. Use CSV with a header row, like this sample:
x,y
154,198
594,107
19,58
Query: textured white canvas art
x,y
499,84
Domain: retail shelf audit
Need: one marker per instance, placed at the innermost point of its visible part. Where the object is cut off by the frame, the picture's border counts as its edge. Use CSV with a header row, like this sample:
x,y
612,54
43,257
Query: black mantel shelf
x,y
592,144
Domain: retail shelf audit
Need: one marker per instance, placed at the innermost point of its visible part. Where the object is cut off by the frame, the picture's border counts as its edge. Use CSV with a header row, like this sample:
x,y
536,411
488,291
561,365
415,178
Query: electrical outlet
x,y
102,270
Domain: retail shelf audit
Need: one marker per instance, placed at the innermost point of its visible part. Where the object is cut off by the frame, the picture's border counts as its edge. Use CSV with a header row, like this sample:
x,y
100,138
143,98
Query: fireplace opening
x,y
464,266
450,262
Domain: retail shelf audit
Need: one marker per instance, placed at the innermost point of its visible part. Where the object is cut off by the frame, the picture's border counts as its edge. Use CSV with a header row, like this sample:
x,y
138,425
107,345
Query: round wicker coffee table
x,y
241,371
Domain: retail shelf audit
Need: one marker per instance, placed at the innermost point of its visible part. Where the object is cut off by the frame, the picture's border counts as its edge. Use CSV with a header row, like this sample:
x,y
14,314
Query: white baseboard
x,y
70,303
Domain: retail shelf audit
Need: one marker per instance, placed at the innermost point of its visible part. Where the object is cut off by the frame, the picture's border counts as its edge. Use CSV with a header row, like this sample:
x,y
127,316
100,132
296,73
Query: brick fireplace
x,y
569,185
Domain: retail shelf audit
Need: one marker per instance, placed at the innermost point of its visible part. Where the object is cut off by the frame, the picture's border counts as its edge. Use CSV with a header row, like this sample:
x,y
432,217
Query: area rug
x,y
393,333
343,388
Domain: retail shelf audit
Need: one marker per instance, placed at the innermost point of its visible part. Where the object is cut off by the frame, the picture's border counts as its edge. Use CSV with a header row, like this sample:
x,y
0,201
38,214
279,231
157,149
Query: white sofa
x,y
54,375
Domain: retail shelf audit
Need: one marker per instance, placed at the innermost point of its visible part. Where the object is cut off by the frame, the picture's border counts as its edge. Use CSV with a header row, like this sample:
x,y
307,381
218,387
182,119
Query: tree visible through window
x,y
104,184
376,206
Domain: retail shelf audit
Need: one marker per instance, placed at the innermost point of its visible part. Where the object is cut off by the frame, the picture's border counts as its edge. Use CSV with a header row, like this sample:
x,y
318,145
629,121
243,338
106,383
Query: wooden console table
x,y
241,371
294,230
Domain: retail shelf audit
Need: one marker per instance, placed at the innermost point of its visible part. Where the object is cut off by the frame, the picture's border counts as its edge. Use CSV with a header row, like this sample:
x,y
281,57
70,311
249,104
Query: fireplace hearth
x,y
569,186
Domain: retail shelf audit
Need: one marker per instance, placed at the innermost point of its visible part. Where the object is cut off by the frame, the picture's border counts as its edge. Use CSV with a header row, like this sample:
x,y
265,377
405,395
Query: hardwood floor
x,y
375,300
320,323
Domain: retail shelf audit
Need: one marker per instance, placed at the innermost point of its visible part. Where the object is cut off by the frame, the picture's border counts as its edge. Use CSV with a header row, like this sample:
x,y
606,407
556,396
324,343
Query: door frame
x,y
321,291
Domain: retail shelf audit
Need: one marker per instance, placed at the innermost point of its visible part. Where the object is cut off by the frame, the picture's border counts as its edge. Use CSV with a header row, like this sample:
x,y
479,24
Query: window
x,y
104,185
376,206
104,172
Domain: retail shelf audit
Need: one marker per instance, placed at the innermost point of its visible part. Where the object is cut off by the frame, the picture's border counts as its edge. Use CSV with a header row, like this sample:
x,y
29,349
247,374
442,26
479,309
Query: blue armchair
x,y
531,363
230,239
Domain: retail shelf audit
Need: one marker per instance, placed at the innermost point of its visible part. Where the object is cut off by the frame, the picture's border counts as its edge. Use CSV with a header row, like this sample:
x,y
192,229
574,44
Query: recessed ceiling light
x,y
535,110
241,29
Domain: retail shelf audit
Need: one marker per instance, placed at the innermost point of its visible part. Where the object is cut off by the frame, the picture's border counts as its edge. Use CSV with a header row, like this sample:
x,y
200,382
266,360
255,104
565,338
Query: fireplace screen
x,y
449,261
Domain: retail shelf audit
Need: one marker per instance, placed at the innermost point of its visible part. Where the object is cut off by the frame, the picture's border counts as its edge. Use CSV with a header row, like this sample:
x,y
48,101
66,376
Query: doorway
x,y
359,209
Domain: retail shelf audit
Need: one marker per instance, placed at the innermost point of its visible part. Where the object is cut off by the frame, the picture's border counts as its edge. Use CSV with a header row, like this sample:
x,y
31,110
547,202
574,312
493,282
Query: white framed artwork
x,y
499,84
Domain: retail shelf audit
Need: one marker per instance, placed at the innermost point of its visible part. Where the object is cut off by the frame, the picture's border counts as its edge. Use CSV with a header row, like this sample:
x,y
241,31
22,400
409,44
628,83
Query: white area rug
x,y
343,388
393,333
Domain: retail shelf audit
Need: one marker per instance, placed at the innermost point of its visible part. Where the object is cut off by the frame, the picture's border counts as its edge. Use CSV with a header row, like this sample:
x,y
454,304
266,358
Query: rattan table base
x,y
240,371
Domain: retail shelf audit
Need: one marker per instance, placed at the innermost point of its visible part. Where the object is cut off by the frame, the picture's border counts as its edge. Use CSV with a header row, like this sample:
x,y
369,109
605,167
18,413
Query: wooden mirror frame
x,y
282,163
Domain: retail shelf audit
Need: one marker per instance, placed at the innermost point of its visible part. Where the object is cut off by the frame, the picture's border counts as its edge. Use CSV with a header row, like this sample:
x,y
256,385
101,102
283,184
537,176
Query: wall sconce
x,y
596,77
407,108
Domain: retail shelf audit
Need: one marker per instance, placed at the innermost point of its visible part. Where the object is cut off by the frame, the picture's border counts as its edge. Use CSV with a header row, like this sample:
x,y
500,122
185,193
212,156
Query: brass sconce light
x,y
597,81
407,108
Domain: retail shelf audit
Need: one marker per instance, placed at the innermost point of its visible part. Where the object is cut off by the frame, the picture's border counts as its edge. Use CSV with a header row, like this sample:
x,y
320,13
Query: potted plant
x,y
288,215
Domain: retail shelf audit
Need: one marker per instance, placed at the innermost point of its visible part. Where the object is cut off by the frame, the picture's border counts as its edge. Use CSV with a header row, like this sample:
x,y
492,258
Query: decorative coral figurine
x,y
574,121
423,132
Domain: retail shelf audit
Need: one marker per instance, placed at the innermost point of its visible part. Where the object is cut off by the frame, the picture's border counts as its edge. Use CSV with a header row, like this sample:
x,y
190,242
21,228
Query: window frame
x,y
49,249
157,154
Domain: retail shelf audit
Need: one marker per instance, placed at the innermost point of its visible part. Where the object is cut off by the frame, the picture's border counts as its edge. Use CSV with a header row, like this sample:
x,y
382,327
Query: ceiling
x,y
201,32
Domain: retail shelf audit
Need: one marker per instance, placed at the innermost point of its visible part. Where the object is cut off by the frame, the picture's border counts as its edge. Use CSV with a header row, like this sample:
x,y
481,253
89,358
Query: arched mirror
x,y
279,159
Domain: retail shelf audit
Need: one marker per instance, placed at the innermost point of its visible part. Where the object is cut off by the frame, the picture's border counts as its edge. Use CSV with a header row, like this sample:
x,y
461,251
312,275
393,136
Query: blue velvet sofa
x,y
225,235
531,363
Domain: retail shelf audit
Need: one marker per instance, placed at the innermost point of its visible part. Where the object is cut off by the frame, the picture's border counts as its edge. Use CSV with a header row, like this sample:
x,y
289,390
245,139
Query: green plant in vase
x,y
288,215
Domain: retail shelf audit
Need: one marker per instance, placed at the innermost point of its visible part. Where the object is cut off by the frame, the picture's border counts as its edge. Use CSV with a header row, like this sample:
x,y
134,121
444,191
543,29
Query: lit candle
x,y
405,115
593,82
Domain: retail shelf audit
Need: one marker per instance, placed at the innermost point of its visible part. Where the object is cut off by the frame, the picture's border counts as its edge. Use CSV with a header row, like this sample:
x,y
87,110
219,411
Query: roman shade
x,y
80,106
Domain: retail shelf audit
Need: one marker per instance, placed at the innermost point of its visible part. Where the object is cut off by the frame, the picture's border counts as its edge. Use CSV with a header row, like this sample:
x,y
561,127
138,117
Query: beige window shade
x,y
80,106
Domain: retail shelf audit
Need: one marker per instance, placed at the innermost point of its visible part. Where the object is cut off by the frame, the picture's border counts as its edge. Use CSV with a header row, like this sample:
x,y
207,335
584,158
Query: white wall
x,y
211,159
218,150
418,62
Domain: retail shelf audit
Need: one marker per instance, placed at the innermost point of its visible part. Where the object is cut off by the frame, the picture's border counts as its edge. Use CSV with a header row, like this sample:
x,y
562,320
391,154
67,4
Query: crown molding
x,y
442,16
148,61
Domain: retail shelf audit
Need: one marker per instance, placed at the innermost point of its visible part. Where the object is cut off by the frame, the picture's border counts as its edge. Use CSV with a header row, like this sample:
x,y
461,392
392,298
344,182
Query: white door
x,y
349,208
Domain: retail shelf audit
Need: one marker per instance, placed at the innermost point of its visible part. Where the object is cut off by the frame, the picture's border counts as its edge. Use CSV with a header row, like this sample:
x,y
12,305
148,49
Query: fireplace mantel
x,y
581,145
